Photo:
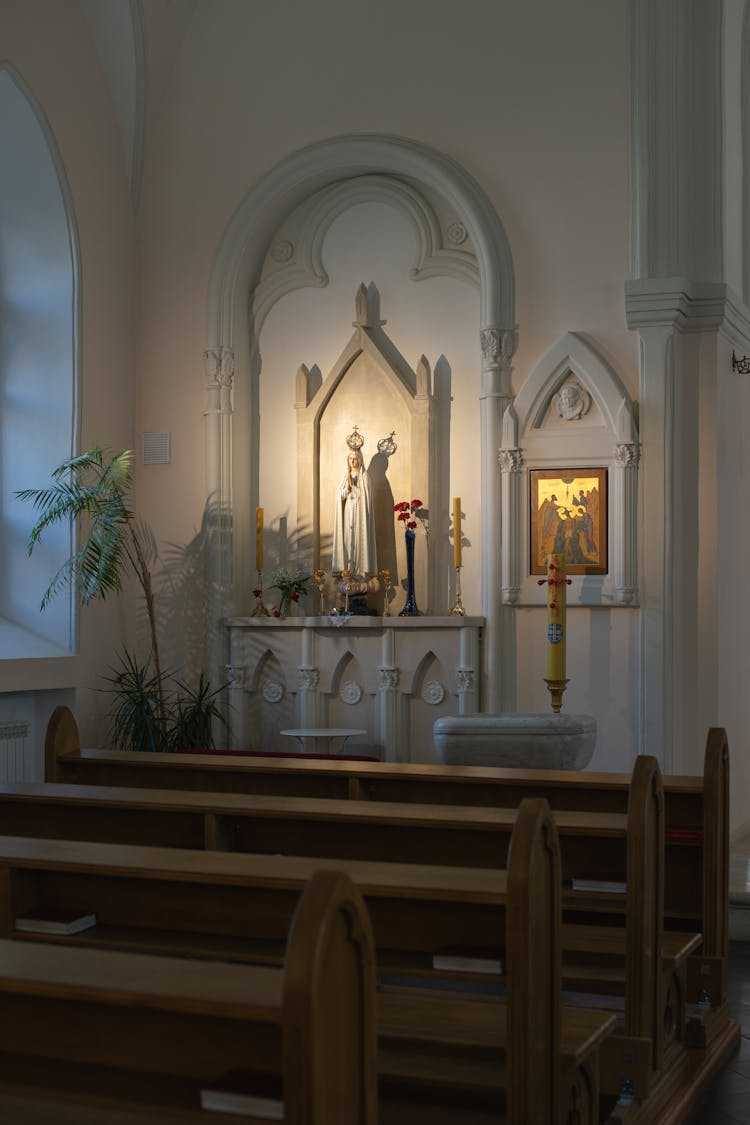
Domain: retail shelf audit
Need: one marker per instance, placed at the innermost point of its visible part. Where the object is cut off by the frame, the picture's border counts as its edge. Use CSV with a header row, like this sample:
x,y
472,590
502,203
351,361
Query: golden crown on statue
x,y
355,441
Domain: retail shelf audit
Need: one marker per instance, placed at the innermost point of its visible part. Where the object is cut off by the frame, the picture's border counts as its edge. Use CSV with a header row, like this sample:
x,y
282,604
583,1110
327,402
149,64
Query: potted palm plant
x,y
152,710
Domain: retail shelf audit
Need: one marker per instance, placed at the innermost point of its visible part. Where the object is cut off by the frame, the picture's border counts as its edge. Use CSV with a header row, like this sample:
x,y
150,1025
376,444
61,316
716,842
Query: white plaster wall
x,y
735,120
48,44
531,98
733,445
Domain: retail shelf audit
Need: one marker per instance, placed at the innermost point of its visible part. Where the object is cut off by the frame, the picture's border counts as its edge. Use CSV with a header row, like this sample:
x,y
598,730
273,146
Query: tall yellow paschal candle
x,y
556,586
259,540
457,531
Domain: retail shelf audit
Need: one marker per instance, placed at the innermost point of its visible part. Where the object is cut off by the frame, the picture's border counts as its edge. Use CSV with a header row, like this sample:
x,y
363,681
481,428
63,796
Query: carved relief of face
x,y
569,395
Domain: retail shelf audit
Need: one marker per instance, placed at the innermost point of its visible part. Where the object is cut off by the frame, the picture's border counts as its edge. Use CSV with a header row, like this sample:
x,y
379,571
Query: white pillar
x,y
498,346
388,676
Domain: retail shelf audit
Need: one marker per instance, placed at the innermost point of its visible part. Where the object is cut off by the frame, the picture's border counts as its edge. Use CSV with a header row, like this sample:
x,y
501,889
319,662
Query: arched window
x,y
38,367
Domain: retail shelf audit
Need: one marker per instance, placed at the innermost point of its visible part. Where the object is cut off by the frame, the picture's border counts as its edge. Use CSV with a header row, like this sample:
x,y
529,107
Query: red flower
x,y
403,515
416,503
412,523
276,613
257,592
295,597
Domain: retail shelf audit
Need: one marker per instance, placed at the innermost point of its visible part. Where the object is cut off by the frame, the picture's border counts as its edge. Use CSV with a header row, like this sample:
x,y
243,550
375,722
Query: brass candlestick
x,y
320,582
347,576
260,609
458,608
386,576
556,689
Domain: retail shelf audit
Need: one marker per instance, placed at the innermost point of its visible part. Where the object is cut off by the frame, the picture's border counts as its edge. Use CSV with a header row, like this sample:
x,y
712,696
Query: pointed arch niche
x,y
599,431
372,384
271,246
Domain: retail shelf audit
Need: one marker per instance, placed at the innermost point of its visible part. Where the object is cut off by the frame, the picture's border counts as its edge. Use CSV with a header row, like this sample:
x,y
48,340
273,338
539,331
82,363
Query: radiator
x,y
15,752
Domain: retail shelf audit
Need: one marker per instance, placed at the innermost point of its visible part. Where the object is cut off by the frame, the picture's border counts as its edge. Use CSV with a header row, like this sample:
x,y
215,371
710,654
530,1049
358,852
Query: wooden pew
x,y
136,1037
696,812
629,849
207,898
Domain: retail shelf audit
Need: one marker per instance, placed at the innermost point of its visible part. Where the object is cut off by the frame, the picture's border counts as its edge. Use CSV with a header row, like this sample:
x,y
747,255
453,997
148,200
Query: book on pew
x,y
465,959
55,921
599,886
683,835
246,1092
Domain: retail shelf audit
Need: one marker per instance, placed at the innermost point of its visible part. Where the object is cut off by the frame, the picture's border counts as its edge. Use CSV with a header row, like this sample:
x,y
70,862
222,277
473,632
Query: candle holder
x,y
347,576
386,576
260,609
556,689
458,608
320,582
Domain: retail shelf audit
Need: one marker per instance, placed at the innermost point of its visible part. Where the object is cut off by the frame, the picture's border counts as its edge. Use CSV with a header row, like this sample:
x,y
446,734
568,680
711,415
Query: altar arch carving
x,y
399,439
231,474
596,429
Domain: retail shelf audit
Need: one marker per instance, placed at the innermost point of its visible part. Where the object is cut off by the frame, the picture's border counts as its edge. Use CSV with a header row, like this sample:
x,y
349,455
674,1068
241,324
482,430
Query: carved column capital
x,y
511,460
236,673
388,679
498,346
308,679
219,364
627,454
464,680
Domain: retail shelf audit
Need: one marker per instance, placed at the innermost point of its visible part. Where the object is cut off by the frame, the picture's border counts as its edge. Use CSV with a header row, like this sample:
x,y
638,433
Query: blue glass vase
x,y
410,609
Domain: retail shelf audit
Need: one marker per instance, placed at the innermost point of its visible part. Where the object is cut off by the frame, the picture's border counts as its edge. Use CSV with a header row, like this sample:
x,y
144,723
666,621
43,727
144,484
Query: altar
x,y
391,677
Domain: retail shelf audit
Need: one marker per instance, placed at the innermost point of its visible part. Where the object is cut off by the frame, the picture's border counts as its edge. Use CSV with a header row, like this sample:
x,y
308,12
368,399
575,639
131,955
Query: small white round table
x,y
311,736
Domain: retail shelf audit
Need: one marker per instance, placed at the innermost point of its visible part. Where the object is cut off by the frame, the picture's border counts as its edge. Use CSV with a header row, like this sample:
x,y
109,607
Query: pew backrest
x,y
313,1022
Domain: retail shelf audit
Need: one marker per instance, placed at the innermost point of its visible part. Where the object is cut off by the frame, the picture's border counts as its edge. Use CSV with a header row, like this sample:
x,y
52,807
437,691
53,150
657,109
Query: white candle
x,y
259,540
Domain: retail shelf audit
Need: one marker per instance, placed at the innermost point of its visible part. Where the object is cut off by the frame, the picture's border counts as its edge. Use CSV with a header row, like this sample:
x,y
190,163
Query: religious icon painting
x,y
568,516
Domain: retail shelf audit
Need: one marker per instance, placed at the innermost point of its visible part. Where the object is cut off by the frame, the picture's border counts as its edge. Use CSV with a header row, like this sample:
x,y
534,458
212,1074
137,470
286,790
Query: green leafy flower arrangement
x,y
291,587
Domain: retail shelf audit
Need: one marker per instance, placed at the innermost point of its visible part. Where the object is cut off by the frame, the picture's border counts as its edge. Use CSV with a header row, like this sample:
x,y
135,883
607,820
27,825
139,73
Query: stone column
x,y
498,345
308,678
466,672
219,367
388,696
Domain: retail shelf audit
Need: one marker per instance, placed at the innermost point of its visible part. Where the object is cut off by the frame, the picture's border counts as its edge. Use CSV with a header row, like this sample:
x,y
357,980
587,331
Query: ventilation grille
x,y
15,752
156,449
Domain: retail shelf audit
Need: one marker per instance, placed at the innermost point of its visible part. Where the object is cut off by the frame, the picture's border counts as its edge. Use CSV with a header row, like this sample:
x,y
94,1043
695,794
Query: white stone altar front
x,y
391,676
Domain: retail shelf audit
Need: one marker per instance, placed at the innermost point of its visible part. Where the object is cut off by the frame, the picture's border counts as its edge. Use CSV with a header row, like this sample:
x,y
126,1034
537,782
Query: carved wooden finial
x,y
302,387
361,309
423,376
367,307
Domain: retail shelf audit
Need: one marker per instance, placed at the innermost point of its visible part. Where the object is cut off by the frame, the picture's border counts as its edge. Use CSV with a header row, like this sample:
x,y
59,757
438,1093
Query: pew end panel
x,y
157,1029
534,964
645,907
62,740
330,1042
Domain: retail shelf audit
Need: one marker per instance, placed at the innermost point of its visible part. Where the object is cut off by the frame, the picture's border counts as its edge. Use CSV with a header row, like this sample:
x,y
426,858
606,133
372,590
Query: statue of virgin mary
x,y
354,522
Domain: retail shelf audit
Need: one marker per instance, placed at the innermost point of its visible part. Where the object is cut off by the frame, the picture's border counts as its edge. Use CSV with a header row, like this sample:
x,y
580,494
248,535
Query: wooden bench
x,y
696,813
217,905
131,1034
449,910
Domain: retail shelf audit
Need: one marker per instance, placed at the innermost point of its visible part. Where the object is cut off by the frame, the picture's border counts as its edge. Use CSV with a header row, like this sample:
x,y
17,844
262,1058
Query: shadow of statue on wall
x,y
383,501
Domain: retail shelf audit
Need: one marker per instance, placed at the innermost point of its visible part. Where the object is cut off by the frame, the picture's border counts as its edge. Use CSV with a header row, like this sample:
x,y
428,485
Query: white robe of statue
x,y
354,522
